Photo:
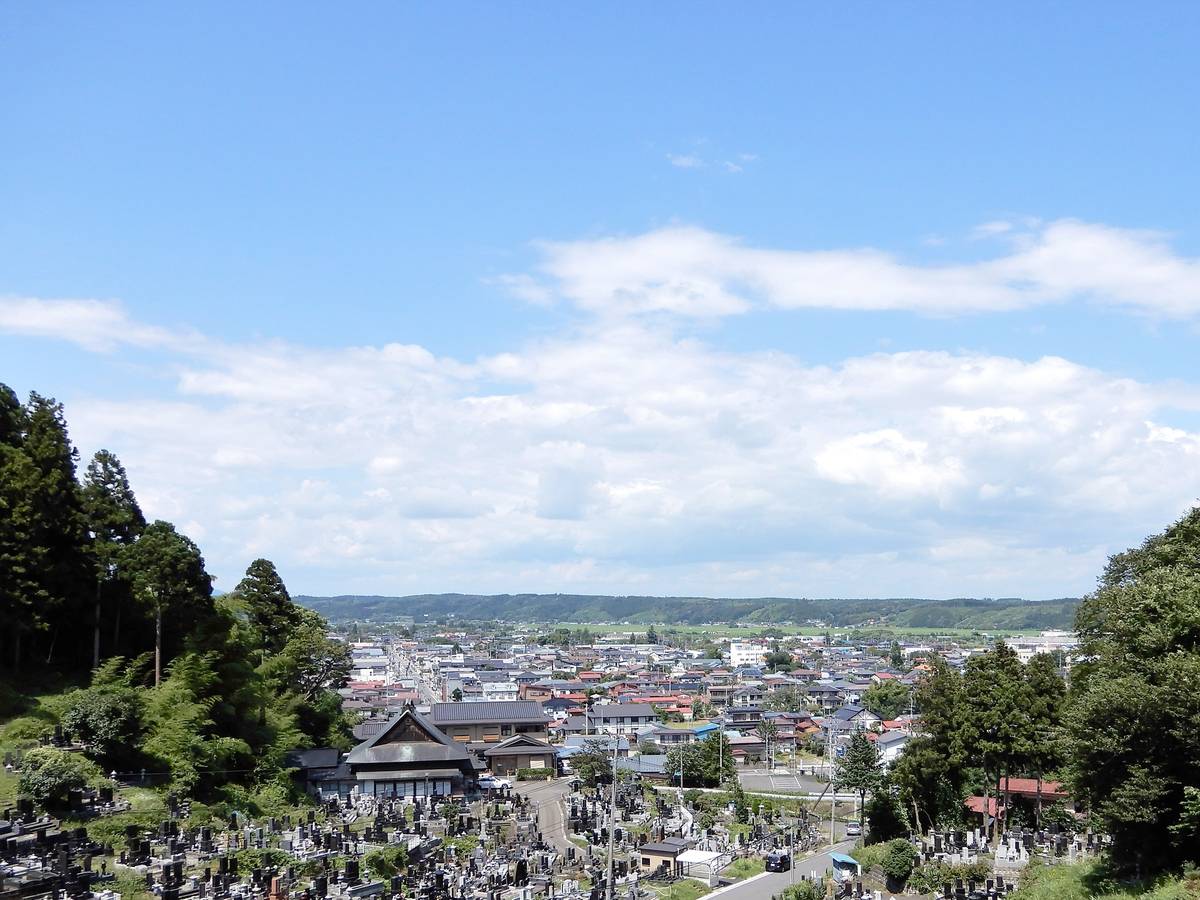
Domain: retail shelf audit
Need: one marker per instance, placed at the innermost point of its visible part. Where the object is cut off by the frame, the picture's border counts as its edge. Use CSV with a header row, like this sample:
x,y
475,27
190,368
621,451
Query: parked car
x,y
854,830
492,783
779,861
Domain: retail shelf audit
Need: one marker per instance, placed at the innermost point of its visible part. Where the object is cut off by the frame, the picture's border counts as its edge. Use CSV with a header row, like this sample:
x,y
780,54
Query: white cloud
x,y
685,161
692,271
92,324
623,458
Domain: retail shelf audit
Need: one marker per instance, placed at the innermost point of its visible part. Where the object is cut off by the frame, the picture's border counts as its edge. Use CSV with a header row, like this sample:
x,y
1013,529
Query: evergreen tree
x,y
167,573
1135,702
267,604
23,594
997,702
12,418
114,521
860,770
58,519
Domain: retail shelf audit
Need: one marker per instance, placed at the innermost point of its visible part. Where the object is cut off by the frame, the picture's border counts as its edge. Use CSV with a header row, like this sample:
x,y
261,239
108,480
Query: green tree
x,y
741,808
22,558
888,699
859,769
48,775
778,659
267,605
456,695
898,860
996,715
167,573
1045,745
58,520
114,521
788,699
896,656
107,719
1135,707
593,764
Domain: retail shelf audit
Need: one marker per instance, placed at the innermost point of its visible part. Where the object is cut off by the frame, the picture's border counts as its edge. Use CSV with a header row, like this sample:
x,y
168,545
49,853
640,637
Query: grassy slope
x,y
1085,881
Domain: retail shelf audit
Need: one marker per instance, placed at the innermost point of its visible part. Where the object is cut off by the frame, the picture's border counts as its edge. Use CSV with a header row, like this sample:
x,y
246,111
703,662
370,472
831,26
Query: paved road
x,y
763,887
762,781
548,796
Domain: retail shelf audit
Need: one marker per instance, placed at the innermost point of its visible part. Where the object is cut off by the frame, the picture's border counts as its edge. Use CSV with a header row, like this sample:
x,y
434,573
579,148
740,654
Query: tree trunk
x,y
987,785
157,644
53,641
16,649
96,631
1038,807
996,821
117,629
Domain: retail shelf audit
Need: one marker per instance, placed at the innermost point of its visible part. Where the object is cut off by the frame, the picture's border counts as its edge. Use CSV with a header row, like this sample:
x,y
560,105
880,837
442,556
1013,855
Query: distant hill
x,y
981,614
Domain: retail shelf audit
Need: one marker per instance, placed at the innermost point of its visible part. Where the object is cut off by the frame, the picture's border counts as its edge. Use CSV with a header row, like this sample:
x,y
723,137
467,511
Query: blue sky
x,y
675,299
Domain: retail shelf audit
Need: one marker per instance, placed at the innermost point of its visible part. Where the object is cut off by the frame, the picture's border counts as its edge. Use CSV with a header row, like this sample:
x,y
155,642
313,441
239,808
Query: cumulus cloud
x,y
625,458
696,272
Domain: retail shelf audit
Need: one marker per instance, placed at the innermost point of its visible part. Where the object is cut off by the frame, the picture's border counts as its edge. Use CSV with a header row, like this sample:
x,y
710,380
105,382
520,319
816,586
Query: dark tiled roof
x,y
487,712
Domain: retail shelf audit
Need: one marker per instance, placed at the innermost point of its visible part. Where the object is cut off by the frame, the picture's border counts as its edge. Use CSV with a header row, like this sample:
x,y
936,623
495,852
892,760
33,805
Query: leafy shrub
x,y
898,861
48,774
387,861
25,732
804,890
534,774
108,720
929,878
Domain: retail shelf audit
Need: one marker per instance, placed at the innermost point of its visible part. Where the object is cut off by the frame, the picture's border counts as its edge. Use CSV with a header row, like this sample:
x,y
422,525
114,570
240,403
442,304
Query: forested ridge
x,y
110,630
979,614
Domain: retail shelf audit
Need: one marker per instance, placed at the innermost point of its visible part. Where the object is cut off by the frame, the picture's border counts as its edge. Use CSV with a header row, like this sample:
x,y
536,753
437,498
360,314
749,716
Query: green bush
x,y
534,774
805,890
25,732
898,861
108,720
929,878
386,862
48,774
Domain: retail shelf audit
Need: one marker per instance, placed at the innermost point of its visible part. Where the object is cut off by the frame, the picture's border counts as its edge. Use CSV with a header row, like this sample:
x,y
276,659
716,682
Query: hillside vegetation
x,y
982,615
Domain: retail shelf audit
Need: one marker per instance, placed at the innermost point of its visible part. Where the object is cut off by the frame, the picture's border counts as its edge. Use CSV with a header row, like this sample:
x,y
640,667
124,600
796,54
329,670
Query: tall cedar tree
x,y
114,521
58,524
268,606
1135,700
997,716
167,573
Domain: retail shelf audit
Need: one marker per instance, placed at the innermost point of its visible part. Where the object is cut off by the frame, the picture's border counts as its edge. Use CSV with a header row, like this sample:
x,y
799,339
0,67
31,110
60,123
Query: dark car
x,y
778,861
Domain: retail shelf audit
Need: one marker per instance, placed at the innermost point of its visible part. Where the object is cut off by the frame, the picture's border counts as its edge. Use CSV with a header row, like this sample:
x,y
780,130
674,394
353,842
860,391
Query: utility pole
x,y
832,784
609,887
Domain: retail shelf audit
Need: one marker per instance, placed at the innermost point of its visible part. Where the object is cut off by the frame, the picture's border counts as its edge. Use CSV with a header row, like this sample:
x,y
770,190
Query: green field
x,y
752,631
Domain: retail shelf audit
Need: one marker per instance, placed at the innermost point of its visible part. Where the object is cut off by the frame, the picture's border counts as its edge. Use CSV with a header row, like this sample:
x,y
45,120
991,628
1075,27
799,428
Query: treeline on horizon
x,y
966,613
110,631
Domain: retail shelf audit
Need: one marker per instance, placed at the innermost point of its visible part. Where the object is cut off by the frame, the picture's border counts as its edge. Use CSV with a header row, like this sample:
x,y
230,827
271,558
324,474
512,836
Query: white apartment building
x,y
743,654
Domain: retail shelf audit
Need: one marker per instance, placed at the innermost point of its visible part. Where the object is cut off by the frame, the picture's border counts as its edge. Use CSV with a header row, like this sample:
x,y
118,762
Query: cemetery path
x,y
552,820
